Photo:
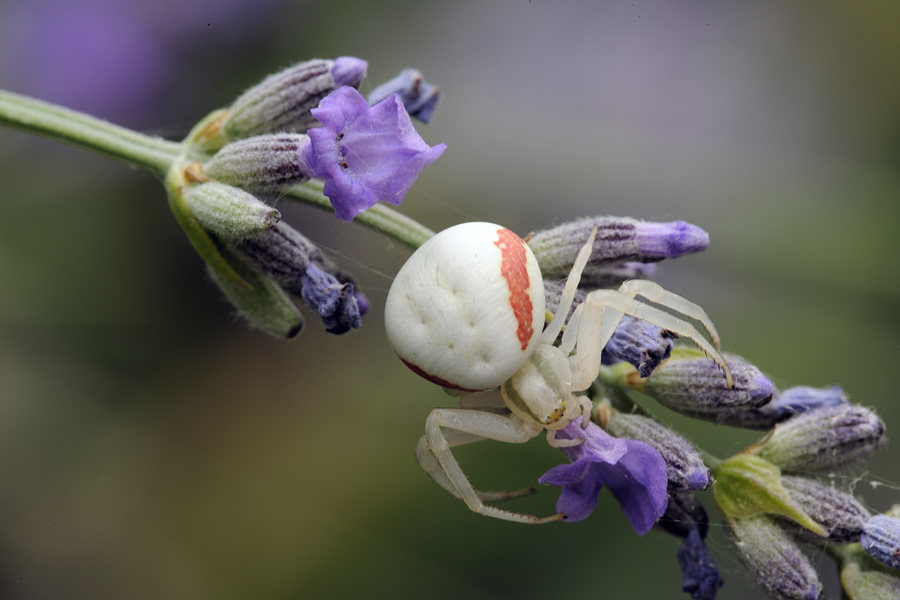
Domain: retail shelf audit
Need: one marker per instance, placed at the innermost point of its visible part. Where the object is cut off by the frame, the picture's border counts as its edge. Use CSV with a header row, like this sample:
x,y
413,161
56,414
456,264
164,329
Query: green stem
x,y
157,154
381,218
87,132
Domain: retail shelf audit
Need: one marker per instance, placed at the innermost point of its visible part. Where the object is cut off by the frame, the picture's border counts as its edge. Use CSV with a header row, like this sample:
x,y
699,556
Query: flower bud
x,y
774,559
282,101
618,240
684,465
881,540
641,344
229,212
299,267
824,439
869,585
839,513
692,384
418,96
263,164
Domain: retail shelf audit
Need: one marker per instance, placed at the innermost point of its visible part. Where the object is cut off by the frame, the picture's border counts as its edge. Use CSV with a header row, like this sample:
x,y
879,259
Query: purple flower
x,y
634,472
365,154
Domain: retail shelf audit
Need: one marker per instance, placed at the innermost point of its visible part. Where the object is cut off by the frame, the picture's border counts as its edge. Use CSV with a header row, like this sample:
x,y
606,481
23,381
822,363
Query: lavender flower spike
x,y
634,471
365,154
418,96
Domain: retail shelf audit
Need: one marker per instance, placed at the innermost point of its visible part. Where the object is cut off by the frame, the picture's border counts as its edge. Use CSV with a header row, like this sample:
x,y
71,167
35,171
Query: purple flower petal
x,y
634,471
365,154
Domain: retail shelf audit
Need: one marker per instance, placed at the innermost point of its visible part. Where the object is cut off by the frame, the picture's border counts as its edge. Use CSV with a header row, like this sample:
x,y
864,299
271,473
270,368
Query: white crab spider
x,y
466,311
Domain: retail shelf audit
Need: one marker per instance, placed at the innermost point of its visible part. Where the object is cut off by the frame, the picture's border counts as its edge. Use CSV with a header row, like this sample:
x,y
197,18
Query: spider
x,y
467,312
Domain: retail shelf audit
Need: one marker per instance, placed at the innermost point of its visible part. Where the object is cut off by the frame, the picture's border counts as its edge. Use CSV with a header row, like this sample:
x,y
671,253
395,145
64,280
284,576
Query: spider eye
x,y
467,308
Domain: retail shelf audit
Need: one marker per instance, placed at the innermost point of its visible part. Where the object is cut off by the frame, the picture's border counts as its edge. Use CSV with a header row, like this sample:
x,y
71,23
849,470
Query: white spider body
x,y
467,312
467,309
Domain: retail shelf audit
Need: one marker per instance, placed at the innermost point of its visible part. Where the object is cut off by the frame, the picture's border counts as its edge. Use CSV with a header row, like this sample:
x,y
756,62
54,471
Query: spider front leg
x,y
466,426
602,311
654,292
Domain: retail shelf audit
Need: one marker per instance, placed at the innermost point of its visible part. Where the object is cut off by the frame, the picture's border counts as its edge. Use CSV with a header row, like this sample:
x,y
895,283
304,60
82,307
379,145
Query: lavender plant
x,y
307,134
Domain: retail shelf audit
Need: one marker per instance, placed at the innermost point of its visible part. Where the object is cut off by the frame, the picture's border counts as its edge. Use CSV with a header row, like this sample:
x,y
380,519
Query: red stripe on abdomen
x,y
513,268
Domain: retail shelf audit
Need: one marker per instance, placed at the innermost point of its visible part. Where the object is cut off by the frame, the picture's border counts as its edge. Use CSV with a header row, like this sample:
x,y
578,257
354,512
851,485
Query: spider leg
x,y
654,292
466,426
603,311
551,332
432,467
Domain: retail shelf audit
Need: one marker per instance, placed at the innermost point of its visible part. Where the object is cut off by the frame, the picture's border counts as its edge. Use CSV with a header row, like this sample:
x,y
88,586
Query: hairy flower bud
x,y
282,101
881,540
263,164
774,559
618,240
418,96
824,439
692,384
684,465
229,212
840,514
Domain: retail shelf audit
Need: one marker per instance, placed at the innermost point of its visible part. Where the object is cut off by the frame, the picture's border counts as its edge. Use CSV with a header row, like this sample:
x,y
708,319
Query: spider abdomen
x,y
467,308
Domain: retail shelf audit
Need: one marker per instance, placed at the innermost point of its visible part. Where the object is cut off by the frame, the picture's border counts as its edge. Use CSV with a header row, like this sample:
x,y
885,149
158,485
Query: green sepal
x,y
255,296
747,485
207,136
862,584
263,304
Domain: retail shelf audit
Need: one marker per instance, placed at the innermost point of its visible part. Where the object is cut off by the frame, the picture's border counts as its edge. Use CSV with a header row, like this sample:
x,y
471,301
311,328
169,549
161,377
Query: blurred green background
x,y
153,447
